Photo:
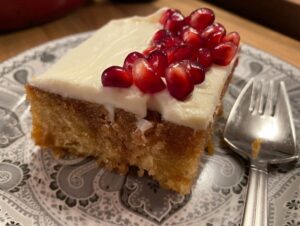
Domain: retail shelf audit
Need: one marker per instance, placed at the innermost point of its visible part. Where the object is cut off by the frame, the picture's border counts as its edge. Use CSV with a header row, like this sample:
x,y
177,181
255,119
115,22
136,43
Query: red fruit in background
x,y
179,53
130,59
201,18
175,22
233,37
179,81
144,77
204,58
191,36
158,61
196,71
223,53
16,14
116,76
166,15
213,35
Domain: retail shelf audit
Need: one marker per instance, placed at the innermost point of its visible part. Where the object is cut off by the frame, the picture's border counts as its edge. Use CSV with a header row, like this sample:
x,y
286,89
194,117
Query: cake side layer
x,y
77,75
83,128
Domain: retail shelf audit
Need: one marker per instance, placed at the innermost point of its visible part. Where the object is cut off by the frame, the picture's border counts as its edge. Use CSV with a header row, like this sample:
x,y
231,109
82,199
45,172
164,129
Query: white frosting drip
x,y
143,125
78,75
111,112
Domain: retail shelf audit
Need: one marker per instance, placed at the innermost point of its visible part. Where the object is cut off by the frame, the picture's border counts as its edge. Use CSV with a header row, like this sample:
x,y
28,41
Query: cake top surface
x,y
78,75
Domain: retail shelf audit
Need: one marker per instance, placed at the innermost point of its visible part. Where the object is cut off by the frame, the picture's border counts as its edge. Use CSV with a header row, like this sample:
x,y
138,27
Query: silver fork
x,y
260,127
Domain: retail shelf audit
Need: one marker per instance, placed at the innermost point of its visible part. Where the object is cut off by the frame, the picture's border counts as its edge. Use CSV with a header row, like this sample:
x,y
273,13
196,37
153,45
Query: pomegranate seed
x,y
116,76
213,35
130,59
187,20
201,18
144,77
149,50
179,53
204,58
175,22
180,32
159,62
177,41
164,39
171,42
223,53
214,39
233,37
217,27
160,36
214,28
179,81
196,71
192,37
166,15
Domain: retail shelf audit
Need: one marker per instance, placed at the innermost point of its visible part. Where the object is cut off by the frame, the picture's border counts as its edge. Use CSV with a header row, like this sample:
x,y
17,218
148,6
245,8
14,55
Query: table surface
x,y
94,15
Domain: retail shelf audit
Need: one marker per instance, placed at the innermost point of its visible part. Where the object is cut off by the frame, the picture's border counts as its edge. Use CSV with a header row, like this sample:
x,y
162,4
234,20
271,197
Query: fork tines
x,y
263,97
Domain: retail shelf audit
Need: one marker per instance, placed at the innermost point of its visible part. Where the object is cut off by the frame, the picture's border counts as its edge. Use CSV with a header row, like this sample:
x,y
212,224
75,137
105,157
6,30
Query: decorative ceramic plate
x,y
37,189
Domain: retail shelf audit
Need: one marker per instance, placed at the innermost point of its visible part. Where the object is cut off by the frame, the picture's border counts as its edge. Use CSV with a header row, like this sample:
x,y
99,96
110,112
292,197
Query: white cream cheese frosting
x,y
78,75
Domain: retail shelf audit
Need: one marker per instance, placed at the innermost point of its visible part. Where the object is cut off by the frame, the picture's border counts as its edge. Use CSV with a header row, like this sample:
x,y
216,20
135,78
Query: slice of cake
x,y
142,91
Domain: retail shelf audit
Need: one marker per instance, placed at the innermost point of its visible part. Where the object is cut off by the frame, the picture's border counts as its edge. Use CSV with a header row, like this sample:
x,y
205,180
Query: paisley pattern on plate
x,y
37,189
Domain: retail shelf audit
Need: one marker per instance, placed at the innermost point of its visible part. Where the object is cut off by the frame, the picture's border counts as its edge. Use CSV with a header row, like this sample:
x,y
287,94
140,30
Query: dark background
x,y
280,15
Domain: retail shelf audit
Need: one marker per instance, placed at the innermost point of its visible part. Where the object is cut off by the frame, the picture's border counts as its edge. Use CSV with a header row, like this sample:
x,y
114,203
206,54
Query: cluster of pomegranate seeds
x,y
178,56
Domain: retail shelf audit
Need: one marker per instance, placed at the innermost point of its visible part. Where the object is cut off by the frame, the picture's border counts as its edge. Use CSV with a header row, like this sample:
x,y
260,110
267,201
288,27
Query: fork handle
x,y
256,206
